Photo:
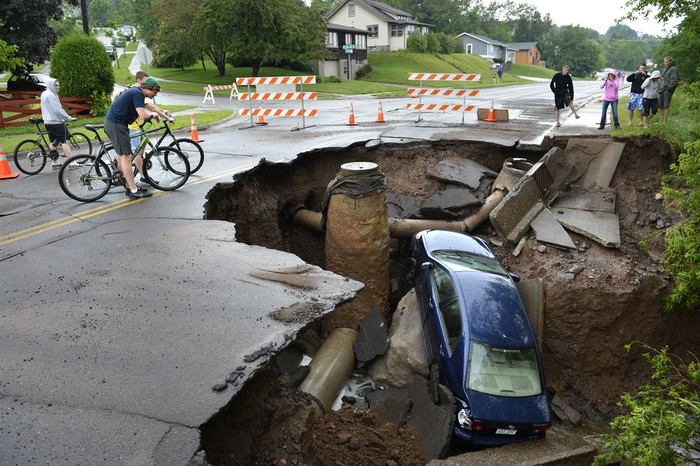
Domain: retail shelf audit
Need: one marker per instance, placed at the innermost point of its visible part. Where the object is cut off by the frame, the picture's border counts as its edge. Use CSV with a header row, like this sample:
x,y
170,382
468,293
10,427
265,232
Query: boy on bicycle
x,y
125,109
134,129
54,120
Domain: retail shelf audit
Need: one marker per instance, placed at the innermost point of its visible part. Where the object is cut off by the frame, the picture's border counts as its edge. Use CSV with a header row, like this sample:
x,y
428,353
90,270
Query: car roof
x,y
435,240
495,313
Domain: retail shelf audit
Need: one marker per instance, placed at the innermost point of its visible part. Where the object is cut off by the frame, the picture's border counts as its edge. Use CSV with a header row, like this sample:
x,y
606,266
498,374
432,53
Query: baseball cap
x,y
151,82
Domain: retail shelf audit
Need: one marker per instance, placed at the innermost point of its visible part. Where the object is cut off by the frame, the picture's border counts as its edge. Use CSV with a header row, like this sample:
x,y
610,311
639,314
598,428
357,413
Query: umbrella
x,y
495,66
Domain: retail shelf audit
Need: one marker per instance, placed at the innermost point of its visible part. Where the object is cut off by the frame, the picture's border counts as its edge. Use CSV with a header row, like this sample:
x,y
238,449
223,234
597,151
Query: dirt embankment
x,y
597,299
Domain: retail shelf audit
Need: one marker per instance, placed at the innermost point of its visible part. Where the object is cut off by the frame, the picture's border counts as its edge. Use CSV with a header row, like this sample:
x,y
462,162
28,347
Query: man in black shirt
x,y
563,88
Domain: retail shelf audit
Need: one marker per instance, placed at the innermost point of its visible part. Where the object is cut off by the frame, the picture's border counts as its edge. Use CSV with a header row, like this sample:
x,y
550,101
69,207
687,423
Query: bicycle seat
x,y
94,128
36,121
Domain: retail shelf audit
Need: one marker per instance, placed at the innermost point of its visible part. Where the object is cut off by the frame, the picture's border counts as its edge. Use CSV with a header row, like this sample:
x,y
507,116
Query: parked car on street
x,y
128,32
27,82
111,51
479,340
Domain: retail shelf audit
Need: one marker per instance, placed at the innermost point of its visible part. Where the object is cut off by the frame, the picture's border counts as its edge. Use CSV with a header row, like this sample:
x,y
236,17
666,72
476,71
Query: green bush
x,y
82,66
417,43
364,71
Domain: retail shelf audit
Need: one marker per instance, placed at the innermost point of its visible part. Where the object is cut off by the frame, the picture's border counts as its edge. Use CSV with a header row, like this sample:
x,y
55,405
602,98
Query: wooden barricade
x,y
17,106
421,92
264,86
209,92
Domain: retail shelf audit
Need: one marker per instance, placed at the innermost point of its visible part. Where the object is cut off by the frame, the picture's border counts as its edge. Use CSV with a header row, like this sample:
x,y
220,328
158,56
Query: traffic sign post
x,y
349,48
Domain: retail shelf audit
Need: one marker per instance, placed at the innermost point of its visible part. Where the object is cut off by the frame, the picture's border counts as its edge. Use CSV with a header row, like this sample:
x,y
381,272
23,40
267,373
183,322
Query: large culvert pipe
x,y
357,240
331,367
407,227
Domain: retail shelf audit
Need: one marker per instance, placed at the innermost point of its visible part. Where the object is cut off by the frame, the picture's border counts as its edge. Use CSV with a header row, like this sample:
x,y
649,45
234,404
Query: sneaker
x,y
139,194
144,180
558,124
56,165
74,165
601,127
578,116
618,127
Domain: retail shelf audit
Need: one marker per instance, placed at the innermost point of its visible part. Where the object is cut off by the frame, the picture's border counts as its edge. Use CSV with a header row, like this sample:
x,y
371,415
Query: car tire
x,y
433,383
411,271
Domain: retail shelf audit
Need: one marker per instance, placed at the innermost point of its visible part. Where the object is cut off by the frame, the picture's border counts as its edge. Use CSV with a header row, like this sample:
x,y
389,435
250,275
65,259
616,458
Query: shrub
x,y
416,43
82,66
364,71
432,44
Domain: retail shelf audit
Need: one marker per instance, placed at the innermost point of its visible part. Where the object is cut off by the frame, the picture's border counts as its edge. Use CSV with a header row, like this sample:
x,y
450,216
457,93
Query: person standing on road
x,y
668,87
612,86
125,109
54,120
650,100
636,93
563,88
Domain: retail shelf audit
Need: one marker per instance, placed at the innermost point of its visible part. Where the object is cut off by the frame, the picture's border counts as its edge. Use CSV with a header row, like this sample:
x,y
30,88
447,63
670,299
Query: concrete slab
x,y
512,217
500,114
548,230
532,293
464,172
603,200
600,156
601,227
433,424
373,340
447,204
140,341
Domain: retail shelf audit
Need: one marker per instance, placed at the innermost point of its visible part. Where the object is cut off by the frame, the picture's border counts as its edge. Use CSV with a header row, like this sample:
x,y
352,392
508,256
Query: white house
x,y
388,28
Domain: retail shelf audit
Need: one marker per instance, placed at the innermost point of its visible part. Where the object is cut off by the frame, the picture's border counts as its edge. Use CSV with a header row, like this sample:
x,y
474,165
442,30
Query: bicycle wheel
x,y
80,144
166,168
30,157
84,178
192,150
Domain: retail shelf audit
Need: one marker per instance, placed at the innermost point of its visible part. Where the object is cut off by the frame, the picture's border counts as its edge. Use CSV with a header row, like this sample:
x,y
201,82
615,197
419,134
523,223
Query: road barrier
x,y
209,92
277,88
421,92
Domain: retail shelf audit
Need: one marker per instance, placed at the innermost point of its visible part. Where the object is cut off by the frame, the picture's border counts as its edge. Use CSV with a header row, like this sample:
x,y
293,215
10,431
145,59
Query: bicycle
x,y
87,178
30,155
192,150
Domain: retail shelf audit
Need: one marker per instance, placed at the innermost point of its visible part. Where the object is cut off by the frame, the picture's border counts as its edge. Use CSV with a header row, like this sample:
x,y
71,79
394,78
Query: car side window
x,y
448,303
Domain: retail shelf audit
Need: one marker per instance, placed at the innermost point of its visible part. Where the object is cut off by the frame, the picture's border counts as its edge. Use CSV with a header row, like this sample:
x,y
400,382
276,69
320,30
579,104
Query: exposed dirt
x,y
616,298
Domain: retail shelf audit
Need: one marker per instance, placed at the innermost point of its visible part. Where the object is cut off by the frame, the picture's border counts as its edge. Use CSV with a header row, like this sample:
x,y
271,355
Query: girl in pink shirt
x,y
611,85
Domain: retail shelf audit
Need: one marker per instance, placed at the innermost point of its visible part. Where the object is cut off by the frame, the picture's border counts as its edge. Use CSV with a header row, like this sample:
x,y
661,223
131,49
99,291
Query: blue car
x,y
479,340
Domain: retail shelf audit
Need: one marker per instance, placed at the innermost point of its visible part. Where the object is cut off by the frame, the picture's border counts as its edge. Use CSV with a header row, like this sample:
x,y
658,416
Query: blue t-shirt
x,y
123,110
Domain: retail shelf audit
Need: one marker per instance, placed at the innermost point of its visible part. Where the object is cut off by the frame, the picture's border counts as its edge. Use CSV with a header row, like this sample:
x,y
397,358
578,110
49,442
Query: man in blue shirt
x,y
128,107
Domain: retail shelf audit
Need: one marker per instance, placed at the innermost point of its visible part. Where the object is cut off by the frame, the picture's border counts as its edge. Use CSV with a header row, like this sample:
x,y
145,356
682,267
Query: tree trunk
x,y
256,67
204,67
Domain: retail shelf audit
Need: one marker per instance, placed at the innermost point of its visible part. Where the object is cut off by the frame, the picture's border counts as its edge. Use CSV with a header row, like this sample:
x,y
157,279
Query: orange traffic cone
x,y
194,135
261,119
351,120
380,117
5,171
491,117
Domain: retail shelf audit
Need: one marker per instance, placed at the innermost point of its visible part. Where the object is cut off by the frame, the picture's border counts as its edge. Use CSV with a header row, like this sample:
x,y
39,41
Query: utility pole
x,y
84,13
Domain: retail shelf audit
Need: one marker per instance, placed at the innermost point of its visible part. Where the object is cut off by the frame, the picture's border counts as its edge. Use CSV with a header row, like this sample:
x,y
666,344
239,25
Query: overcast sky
x,y
594,14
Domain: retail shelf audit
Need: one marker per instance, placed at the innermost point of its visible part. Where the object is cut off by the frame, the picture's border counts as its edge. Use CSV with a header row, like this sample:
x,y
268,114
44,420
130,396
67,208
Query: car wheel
x,y
433,383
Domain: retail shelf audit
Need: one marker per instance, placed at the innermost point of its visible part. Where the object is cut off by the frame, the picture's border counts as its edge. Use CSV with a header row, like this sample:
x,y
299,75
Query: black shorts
x,y
58,134
650,106
561,100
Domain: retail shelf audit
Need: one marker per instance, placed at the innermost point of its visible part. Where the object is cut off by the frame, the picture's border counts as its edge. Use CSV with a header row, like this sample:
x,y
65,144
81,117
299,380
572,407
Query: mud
x,y
614,298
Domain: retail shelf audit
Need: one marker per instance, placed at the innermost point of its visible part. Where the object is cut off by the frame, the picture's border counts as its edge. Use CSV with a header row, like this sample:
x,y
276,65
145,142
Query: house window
x,y
360,42
348,39
332,40
351,10
410,29
373,30
396,30
470,48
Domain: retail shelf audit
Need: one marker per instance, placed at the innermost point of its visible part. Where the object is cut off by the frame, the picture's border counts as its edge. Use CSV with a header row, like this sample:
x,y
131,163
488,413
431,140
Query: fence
x,y
277,88
209,92
17,106
432,92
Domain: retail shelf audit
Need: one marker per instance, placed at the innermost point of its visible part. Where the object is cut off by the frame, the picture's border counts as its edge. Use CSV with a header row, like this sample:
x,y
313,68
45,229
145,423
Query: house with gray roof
x,y
486,47
387,27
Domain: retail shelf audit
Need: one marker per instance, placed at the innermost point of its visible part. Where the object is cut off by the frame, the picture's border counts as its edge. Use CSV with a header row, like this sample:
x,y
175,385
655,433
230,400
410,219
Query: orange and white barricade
x,y
284,89
209,92
421,92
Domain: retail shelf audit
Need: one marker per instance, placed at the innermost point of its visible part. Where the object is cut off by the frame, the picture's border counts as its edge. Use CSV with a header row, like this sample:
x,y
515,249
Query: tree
x,y
176,46
665,9
444,14
620,31
8,57
625,54
276,31
214,25
570,46
25,23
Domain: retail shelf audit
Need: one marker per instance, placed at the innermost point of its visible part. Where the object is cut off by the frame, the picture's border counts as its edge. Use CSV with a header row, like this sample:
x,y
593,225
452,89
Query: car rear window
x,y
502,371
471,260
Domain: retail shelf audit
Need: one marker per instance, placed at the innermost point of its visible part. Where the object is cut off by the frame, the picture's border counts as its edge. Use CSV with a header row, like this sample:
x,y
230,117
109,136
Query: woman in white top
x,y
650,99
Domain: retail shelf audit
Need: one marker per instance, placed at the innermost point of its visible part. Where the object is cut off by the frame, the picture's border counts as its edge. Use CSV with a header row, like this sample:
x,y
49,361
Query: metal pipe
x,y
331,367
